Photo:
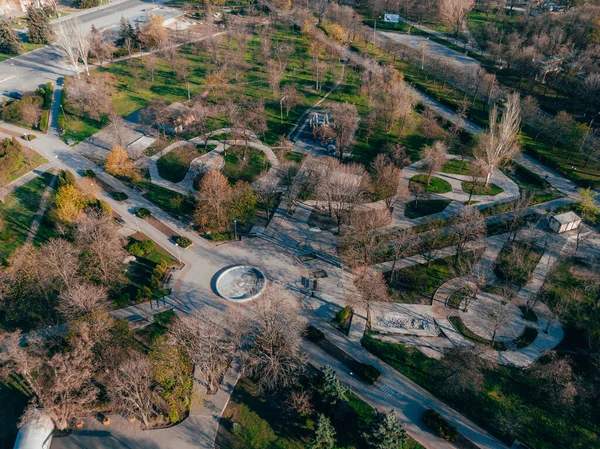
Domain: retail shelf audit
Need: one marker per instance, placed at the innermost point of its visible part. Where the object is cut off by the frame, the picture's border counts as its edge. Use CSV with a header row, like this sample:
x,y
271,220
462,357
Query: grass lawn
x,y
14,398
173,203
174,165
79,128
416,284
238,168
457,167
510,405
421,208
516,263
294,156
435,185
481,189
462,329
32,159
27,47
264,421
18,211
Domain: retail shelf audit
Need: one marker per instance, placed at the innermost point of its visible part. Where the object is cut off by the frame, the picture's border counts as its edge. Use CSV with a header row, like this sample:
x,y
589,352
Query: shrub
x,y
154,282
184,242
120,196
147,245
29,137
135,249
440,426
343,315
48,95
158,272
66,178
61,122
313,334
89,174
104,208
5,235
368,372
124,298
165,318
219,237
143,294
142,212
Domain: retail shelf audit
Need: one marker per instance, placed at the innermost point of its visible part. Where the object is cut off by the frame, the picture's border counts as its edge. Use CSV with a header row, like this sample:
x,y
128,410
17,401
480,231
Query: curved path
x,y
209,161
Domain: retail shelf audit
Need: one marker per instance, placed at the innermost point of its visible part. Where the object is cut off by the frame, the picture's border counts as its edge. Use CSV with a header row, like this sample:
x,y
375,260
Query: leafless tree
x,y
360,241
82,298
498,316
556,378
370,288
96,234
60,259
466,368
386,180
31,113
434,158
467,226
66,43
432,239
131,388
204,336
345,122
397,154
91,96
290,97
340,186
214,197
405,244
273,357
61,381
454,12
501,142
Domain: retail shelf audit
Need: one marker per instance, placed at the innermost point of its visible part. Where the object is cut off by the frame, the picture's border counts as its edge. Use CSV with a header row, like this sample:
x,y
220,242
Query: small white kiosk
x,y
565,222
35,433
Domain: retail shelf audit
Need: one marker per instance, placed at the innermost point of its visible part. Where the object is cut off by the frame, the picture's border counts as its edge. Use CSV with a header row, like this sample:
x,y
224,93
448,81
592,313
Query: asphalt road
x,y
29,71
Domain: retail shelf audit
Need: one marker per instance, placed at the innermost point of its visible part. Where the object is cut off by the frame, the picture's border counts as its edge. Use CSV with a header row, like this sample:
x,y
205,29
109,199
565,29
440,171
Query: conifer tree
x,y
387,432
39,29
9,41
324,435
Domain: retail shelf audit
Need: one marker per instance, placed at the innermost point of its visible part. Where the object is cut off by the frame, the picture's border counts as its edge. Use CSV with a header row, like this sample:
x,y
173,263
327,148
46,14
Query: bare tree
x,y
61,381
434,158
466,367
204,336
432,239
498,316
467,226
501,142
360,242
273,356
386,180
60,259
556,378
290,98
131,388
405,244
91,95
454,12
345,122
81,299
340,186
66,45
370,288
214,198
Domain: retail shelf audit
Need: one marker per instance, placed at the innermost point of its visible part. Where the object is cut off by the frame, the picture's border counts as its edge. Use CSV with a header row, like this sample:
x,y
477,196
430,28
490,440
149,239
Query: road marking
x,y
6,79
389,391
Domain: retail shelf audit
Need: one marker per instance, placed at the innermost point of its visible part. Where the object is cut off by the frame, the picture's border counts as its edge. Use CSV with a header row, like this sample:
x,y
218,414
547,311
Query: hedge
x,y
48,90
120,196
440,426
367,372
89,173
142,212
44,121
184,242
313,334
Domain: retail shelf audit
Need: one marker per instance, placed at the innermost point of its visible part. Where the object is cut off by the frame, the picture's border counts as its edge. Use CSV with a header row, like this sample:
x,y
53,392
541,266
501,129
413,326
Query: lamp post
x,y
178,255
235,228
351,381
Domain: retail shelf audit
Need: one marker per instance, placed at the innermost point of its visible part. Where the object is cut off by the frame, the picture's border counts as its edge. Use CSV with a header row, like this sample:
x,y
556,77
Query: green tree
x,y
9,41
126,31
66,178
39,28
84,4
331,388
324,435
387,432
243,202
589,212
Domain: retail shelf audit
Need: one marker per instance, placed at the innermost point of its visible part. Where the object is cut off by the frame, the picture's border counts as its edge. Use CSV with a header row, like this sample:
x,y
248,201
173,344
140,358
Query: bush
x,y
143,293
89,174
367,372
120,196
147,245
343,315
313,334
66,178
135,249
61,122
219,237
154,282
440,426
184,242
48,96
5,235
29,137
164,319
142,212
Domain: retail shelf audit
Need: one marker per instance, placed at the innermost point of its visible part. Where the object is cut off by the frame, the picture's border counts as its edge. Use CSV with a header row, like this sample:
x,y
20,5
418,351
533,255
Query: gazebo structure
x,y
565,222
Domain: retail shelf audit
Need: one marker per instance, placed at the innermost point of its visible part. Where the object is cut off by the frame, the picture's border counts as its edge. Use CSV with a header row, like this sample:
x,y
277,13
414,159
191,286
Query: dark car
x,y
15,94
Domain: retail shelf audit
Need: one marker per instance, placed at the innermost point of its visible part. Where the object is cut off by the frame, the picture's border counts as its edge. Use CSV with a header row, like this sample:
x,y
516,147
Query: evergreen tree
x,y
9,41
331,388
39,29
324,435
387,432
84,4
125,31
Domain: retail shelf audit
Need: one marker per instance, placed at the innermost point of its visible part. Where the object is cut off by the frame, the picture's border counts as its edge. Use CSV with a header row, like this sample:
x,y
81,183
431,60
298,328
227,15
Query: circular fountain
x,y
240,283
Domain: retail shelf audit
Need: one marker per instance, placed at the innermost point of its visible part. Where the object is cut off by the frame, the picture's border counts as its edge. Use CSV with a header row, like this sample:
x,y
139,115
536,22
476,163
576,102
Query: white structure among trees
x,y
565,222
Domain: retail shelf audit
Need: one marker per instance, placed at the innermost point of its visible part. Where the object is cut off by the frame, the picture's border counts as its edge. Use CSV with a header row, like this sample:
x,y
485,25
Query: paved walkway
x,y
44,203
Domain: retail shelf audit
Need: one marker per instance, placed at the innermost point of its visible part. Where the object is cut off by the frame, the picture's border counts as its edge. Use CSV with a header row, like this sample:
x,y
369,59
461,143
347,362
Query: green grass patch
x,y
422,208
471,336
174,165
18,211
79,128
435,185
173,203
481,189
244,165
416,284
294,156
457,167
